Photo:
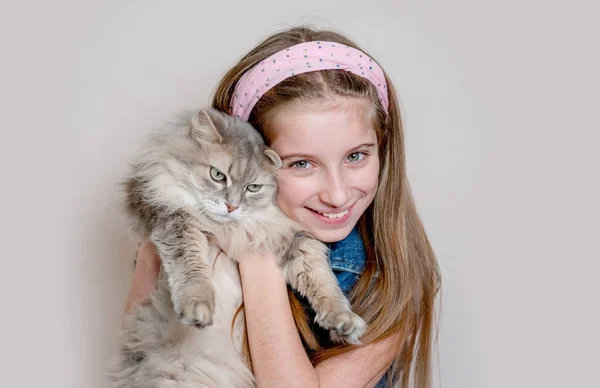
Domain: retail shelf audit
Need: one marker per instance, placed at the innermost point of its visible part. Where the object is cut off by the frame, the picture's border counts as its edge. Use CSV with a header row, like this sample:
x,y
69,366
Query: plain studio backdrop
x,y
500,102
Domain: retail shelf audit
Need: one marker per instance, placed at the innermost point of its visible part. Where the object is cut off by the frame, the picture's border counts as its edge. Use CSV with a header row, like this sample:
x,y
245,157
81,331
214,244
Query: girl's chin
x,y
330,235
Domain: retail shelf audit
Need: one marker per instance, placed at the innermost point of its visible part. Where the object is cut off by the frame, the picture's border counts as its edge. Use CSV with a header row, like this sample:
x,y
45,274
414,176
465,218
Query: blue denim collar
x,y
348,254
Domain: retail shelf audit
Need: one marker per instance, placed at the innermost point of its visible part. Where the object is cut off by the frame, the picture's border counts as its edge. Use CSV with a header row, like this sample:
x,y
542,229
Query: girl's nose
x,y
335,191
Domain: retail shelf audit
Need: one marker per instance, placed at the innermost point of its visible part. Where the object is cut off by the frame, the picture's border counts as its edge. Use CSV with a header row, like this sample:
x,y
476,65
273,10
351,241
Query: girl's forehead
x,y
329,103
316,128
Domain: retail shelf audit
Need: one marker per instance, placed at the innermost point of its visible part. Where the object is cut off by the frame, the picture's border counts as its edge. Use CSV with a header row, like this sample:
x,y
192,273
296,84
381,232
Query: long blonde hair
x,y
395,294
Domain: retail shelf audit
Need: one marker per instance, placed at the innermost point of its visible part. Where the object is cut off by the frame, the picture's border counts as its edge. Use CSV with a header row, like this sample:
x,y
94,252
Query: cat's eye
x,y
216,175
253,188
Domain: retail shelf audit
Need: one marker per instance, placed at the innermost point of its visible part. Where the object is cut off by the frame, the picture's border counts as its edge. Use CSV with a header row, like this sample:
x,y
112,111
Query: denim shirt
x,y
347,258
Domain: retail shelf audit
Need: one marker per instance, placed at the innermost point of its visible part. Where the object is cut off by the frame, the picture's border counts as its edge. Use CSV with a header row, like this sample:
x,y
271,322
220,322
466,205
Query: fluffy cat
x,y
211,175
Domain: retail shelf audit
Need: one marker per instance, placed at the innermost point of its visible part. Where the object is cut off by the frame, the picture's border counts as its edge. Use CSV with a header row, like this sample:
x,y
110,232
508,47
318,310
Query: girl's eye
x,y
355,157
216,175
253,188
301,164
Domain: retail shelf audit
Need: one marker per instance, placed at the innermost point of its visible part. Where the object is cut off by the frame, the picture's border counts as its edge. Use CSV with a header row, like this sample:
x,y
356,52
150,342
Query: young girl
x,y
330,112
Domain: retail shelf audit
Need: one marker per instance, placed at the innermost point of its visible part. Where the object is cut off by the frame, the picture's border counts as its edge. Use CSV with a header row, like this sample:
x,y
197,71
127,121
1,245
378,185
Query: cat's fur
x,y
182,337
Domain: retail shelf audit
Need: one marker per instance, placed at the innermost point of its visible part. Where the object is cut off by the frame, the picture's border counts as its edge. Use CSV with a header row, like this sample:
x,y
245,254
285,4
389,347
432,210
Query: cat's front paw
x,y
195,306
344,326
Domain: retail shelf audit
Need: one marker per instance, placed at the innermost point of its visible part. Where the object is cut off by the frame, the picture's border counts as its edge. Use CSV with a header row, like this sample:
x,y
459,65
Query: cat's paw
x,y
196,306
344,326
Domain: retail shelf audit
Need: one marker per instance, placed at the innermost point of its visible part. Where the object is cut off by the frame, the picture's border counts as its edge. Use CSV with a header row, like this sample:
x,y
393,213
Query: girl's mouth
x,y
332,218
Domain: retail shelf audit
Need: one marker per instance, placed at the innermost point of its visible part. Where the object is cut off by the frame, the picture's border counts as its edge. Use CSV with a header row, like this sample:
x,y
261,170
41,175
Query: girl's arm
x,y
278,357
145,275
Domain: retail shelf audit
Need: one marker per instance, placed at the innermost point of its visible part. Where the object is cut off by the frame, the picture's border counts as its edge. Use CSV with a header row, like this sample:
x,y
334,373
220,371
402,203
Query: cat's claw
x,y
196,309
197,314
344,326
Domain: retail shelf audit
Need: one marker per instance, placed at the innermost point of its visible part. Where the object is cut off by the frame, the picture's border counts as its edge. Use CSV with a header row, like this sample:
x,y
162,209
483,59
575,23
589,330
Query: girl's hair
x,y
395,294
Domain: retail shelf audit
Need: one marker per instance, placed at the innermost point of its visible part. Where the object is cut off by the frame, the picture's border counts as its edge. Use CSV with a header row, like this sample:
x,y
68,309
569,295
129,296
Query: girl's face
x,y
330,163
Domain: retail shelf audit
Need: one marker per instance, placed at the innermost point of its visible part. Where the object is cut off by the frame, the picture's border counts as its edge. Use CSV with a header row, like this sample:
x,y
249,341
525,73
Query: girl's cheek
x,y
295,186
287,193
368,178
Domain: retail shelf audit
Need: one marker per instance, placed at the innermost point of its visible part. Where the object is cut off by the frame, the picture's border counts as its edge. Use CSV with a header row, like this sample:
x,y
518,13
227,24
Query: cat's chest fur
x,y
185,349
226,282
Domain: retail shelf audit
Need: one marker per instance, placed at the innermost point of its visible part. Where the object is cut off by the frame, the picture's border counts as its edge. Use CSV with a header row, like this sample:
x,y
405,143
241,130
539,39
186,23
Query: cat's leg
x,y
183,249
307,270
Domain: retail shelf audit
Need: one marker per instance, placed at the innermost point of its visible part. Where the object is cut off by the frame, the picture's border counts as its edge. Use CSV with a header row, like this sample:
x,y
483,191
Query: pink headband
x,y
304,58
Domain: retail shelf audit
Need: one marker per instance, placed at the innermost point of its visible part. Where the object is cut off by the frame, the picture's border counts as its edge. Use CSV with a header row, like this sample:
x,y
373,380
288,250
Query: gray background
x,y
500,105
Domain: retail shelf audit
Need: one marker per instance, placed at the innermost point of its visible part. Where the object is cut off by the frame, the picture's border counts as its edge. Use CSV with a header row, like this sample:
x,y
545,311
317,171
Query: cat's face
x,y
234,174
234,184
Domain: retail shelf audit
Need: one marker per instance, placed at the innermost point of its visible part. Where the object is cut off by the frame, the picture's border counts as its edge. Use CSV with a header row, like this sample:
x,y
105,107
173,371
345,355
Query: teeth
x,y
334,215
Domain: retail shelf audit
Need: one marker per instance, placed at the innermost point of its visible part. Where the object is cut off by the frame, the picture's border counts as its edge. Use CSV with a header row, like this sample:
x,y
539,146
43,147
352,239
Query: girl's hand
x,y
234,251
145,275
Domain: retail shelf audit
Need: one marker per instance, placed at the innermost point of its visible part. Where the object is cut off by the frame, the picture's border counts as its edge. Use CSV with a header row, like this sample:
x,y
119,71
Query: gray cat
x,y
211,177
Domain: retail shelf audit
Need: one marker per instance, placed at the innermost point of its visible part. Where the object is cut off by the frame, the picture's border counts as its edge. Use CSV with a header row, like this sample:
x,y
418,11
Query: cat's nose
x,y
230,208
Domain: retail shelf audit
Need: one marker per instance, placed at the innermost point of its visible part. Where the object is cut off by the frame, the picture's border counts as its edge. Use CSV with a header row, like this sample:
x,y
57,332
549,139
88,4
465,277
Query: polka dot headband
x,y
304,58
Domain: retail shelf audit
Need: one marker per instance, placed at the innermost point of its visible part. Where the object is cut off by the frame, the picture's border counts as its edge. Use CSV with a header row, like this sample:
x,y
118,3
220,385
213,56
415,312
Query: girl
x,y
330,112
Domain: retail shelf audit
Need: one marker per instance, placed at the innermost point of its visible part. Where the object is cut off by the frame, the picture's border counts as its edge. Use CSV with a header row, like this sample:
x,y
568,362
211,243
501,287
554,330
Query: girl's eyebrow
x,y
307,156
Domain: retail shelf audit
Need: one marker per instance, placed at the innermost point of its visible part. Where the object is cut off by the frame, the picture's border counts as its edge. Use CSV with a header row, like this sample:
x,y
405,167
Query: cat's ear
x,y
205,126
274,157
